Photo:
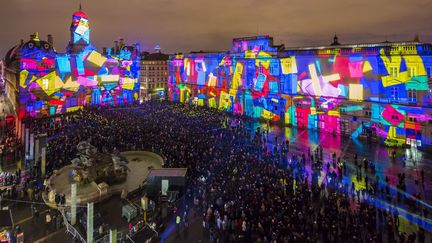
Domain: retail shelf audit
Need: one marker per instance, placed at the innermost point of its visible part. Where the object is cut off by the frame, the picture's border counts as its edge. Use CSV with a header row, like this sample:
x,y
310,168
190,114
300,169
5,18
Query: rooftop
x,y
157,56
361,45
80,13
249,38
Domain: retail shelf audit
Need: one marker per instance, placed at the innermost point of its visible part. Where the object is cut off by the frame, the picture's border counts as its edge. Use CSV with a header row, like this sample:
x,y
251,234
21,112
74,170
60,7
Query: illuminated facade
x,y
51,83
382,91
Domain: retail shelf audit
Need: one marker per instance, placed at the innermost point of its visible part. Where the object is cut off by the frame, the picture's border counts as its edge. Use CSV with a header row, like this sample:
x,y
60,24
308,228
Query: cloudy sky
x,y
185,25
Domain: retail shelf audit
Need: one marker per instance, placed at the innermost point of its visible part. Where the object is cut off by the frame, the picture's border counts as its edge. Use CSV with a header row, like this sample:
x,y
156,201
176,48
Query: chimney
x,y
104,51
50,40
32,36
21,42
116,47
122,44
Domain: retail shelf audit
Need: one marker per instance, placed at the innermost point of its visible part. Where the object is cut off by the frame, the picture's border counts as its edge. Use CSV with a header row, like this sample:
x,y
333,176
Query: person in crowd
x,y
248,186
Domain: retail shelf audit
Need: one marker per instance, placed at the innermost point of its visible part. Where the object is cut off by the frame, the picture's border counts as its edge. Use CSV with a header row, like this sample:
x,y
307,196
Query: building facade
x,y
50,83
381,91
11,67
154,75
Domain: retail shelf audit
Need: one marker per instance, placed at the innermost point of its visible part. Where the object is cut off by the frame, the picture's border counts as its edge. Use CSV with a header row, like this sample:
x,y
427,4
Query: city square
x,y
266,140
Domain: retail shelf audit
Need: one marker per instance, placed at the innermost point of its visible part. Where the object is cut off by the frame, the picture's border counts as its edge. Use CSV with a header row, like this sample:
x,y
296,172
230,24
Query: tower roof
x,y
80,13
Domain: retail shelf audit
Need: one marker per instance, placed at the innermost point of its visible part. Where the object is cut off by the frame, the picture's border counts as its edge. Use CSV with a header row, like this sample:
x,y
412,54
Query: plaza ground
x,y
409,161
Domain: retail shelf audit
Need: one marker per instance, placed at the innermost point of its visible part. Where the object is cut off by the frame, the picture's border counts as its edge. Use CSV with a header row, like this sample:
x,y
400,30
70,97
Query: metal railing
x,y
70,229
146,227
106,238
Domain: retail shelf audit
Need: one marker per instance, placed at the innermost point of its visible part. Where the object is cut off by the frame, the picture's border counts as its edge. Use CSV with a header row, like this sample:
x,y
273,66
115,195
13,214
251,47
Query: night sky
x,y
185,25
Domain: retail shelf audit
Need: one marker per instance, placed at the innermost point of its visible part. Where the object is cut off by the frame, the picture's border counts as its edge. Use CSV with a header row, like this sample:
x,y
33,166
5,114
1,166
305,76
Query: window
x,y
429,72
395,93
45,84
368,113
394,72
412,71
412,95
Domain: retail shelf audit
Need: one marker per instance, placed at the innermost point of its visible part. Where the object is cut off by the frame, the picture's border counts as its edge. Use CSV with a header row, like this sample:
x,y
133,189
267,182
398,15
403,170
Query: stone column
x,y
22,133
144,205
27,139
113,236
31,146
73,203
90,223
36,149
43,161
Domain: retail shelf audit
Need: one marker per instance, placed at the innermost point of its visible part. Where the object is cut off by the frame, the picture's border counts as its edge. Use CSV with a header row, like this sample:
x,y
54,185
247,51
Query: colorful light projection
x,y
53,83
80,27
352,90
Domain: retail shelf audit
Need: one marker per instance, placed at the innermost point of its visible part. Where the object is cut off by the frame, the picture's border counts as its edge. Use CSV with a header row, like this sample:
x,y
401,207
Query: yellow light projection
x,y
224,100
128,83
109,78
263,59
355,92
289,65
96,58
50,83
367,67
23,78
236,81
411,61
212,80
71,85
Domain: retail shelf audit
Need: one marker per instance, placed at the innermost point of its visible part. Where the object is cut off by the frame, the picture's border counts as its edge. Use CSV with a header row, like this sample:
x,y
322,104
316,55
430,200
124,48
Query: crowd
x,y
245,190
13,185
9,144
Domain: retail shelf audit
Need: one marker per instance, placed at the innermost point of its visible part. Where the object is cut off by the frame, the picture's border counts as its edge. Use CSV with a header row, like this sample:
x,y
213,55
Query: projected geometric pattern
x,y
380,89
53,83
